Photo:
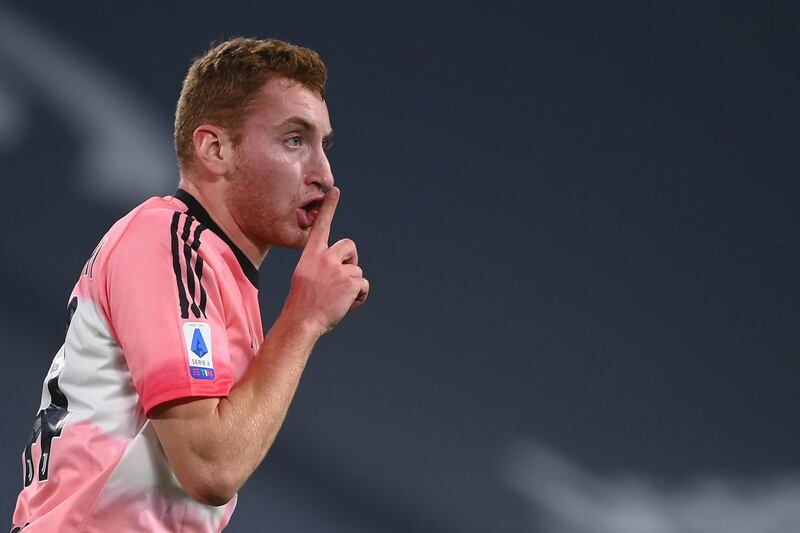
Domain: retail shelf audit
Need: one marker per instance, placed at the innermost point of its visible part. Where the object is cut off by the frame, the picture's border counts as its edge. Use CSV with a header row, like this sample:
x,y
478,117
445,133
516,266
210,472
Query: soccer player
x,y
166,396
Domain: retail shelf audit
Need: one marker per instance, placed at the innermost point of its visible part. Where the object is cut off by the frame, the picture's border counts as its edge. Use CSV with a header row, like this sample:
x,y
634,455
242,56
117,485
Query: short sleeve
x,y
165,308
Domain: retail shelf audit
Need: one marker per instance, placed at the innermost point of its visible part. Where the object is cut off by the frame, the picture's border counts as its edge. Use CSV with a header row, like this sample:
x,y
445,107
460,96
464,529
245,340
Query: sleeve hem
x,y
154,400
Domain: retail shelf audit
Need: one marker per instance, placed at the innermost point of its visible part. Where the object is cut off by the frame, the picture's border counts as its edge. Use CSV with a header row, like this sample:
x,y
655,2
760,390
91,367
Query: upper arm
x,y
178,421
188,432
165,309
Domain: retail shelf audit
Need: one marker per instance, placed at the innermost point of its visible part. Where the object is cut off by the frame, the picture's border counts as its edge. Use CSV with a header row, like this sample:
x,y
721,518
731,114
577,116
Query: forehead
x,y
281,99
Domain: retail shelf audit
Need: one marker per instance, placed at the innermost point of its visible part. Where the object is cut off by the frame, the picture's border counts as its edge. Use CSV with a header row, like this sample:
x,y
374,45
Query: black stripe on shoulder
x,y
187,256
176,265
198,267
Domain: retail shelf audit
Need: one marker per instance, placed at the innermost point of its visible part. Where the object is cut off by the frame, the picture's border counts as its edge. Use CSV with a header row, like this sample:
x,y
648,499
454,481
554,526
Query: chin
x,y
286,236
296,245
296,239
302,239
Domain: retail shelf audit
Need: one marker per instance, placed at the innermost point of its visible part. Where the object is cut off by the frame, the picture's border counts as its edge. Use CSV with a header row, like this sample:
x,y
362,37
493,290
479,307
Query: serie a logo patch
x,y
198,349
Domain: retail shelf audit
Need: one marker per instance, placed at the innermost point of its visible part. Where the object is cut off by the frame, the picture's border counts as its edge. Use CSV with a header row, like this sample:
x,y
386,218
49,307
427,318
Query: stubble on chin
x,y
282,231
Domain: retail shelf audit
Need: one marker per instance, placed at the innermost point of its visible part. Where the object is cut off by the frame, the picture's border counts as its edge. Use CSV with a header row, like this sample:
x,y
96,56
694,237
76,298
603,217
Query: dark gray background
x,y
579,223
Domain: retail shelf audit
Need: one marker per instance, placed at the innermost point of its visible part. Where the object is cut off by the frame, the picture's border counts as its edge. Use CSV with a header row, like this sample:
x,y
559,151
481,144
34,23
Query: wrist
x,y
299,325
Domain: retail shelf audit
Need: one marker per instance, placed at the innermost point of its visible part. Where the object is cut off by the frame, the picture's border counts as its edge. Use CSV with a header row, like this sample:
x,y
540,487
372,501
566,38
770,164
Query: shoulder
x,y
158,225
156,235
155,251
153,217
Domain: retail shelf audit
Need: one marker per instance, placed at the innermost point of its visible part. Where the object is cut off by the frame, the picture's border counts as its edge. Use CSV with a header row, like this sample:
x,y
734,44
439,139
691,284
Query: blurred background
x,y
579,221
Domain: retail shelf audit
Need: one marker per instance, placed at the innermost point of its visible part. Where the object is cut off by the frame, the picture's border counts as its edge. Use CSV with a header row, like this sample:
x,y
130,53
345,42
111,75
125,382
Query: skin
x,y
253,191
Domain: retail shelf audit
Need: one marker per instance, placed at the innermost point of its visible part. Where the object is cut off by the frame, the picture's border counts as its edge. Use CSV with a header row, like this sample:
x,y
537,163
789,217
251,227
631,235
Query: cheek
x,y
268,183
266,201
276,173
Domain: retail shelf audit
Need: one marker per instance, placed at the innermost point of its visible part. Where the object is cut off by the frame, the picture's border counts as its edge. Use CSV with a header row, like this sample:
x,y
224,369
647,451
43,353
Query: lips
x,y
307,213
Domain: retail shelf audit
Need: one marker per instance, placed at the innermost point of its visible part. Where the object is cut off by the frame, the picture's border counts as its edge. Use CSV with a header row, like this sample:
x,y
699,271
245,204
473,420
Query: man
x,y
164,399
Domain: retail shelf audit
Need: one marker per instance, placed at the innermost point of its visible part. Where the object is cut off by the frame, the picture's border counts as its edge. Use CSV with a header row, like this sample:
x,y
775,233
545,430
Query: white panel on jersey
x,y
95,377
144,471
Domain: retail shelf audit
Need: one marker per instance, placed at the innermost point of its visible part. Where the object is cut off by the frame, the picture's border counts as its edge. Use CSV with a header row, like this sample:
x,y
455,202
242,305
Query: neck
x,y
211,196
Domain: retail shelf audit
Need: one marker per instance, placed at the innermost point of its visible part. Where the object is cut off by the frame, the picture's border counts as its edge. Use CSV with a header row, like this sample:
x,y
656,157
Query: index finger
x,y
321,230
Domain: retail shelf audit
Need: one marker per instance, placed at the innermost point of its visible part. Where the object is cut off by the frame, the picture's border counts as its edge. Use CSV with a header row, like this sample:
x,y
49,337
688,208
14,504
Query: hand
x,y
327,282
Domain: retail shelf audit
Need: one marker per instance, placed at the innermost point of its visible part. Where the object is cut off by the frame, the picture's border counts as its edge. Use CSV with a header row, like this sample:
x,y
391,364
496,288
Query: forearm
x,y
216,447
251,416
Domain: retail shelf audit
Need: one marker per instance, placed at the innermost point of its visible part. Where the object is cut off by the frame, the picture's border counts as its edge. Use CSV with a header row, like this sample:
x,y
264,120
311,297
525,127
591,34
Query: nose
x,y
319,172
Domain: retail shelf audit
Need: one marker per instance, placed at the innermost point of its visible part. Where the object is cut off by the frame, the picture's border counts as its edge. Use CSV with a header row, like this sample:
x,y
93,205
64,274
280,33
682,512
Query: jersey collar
x,y
196,210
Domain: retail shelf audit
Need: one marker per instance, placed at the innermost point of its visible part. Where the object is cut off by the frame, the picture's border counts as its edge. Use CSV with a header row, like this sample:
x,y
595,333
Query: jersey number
x,y
49,422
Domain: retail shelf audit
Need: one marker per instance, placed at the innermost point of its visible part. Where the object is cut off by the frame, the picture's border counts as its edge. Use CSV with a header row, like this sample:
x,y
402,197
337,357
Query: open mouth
x,y
309,211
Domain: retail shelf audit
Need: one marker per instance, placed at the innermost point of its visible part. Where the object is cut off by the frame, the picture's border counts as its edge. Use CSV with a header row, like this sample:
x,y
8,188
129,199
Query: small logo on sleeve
x,y
198,349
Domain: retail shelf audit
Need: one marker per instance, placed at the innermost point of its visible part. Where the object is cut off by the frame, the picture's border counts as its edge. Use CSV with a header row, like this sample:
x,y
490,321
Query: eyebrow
x,y
306,125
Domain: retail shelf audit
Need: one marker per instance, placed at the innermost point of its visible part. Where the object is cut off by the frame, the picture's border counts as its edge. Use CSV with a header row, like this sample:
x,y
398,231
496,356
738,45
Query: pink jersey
x,y
165,308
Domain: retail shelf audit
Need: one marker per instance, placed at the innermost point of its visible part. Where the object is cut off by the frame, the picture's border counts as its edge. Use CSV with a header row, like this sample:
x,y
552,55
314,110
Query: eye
x,y
294,140
327,144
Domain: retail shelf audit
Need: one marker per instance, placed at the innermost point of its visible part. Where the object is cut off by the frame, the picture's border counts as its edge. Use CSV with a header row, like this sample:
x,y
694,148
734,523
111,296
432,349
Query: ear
x,y
213,149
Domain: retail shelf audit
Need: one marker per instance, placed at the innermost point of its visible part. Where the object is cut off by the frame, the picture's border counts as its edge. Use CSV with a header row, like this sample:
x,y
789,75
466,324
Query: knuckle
x,y
346,243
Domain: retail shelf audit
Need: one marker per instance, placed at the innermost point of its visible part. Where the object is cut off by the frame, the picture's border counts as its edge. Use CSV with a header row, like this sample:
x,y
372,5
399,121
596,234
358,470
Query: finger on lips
x,y
320,231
